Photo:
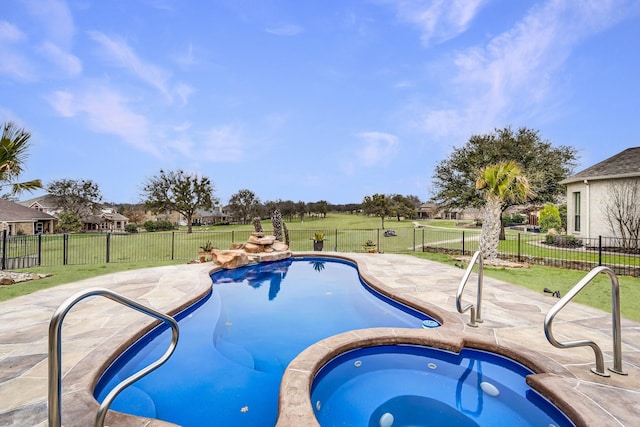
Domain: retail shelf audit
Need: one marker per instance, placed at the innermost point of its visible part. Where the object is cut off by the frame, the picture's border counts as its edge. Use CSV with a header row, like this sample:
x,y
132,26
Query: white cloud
x,y
375,148
10,33
55,17
124,56
285,30
106,111
68,63
514,74
439,20
221,144
13,61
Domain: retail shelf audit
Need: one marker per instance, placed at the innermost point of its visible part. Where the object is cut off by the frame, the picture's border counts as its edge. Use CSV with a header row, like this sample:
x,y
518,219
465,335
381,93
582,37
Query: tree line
x,y
491,171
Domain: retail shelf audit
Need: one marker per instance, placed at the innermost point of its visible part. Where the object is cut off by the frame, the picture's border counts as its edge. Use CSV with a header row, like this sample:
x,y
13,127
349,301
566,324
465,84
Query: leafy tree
x,y
543,164
403,206
501,183
180,192
320,207
562,209
550,218
79,197
288,209
301,209
69,222
378,205
243,205
13,153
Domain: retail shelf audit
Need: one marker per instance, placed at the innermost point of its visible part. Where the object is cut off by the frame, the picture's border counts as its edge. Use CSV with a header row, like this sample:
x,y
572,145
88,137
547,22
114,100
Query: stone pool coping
x,y
512,321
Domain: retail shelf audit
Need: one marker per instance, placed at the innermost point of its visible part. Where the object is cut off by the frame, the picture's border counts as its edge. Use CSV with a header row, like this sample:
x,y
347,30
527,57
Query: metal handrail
x,y
615,314
55,351
476,316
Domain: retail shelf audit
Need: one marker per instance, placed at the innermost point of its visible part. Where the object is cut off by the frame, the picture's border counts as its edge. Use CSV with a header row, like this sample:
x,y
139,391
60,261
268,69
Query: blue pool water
x,y
235,345
406,385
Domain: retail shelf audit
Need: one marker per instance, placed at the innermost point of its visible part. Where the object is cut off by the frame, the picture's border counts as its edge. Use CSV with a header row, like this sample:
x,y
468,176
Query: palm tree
x,y
501,183
13,153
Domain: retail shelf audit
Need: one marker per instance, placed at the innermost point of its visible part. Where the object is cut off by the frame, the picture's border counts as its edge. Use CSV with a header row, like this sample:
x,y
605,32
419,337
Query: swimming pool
x,y
235,345
408,385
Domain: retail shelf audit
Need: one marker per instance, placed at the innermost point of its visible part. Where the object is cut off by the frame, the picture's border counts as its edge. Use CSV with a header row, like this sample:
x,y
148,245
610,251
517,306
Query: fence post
x,y
518,247
4,249
335,248
108,246
173,244
233,236
40,249
599,250
414,239
65,248
422,239
462,242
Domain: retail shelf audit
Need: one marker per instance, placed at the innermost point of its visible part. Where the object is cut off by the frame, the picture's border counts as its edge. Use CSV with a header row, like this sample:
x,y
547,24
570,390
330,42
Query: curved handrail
x,y
476,316
55,351
615,314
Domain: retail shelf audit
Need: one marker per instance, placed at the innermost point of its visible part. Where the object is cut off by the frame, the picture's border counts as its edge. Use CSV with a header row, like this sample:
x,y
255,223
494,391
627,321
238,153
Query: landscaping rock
x,y
11,277
230,259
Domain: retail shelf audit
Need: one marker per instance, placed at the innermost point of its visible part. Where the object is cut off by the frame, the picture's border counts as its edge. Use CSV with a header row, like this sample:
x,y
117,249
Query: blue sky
x,y
309,100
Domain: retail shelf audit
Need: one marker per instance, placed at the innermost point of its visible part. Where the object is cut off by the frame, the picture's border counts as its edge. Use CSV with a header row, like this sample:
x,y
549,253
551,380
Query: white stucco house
x,y
590,191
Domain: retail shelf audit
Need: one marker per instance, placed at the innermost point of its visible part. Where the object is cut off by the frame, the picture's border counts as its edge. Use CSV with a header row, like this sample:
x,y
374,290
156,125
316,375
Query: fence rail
x,y
18,252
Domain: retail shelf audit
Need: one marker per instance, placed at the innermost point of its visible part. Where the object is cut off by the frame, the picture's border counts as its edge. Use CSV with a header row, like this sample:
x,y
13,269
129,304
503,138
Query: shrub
x,y
514,219
550,218
164,225
150,225
563,241
131,228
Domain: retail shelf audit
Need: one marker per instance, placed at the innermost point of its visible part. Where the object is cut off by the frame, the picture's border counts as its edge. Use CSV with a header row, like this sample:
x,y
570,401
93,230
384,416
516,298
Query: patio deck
x,y
513,318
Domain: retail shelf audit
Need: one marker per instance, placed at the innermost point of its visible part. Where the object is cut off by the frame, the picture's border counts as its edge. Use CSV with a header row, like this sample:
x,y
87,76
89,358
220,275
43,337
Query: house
x,y
46,203
200,217
19,219
212,217
589,193
427,210
108,220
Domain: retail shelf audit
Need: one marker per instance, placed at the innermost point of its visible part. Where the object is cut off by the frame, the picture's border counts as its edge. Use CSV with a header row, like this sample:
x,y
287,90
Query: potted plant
x,y
205,251
318,241
369,246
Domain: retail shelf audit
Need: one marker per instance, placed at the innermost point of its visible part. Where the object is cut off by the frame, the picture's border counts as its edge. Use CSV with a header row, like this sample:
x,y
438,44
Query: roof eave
x,y
573,179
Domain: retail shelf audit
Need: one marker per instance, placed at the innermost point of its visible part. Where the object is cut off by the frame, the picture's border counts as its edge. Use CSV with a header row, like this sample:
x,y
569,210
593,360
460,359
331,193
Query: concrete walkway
x,y
97,329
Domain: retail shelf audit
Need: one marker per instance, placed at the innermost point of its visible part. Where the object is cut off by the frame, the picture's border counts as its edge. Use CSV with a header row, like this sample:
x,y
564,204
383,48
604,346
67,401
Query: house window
x,y
576,210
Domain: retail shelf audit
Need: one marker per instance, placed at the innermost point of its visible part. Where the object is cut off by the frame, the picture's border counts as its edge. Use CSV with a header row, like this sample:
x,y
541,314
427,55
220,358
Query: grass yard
x,y
597,294
87,253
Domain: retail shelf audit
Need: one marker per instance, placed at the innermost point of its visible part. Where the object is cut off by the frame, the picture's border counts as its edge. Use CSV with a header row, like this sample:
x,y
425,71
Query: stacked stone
x,y
258,248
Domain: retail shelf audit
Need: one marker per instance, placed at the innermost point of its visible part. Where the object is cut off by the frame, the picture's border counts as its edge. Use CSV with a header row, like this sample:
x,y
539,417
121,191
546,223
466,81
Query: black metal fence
x,y
18,252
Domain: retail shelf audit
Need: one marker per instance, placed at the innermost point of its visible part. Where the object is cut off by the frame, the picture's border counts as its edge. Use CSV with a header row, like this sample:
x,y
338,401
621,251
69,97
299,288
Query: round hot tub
x,y
412,385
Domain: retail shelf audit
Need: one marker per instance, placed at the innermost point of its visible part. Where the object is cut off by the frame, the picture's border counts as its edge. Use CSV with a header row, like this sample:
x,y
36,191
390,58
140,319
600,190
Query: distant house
x,y
212,217
200,217
46,203
427,210
589,192
19,219
107,221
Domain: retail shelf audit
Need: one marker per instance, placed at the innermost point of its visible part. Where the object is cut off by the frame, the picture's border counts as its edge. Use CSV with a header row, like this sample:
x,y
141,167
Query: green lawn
x,y
346,232
597,294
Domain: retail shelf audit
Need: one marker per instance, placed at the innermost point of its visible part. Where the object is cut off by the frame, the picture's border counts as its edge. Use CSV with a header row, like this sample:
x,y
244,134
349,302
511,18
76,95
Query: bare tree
x,y
178,191
622,210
